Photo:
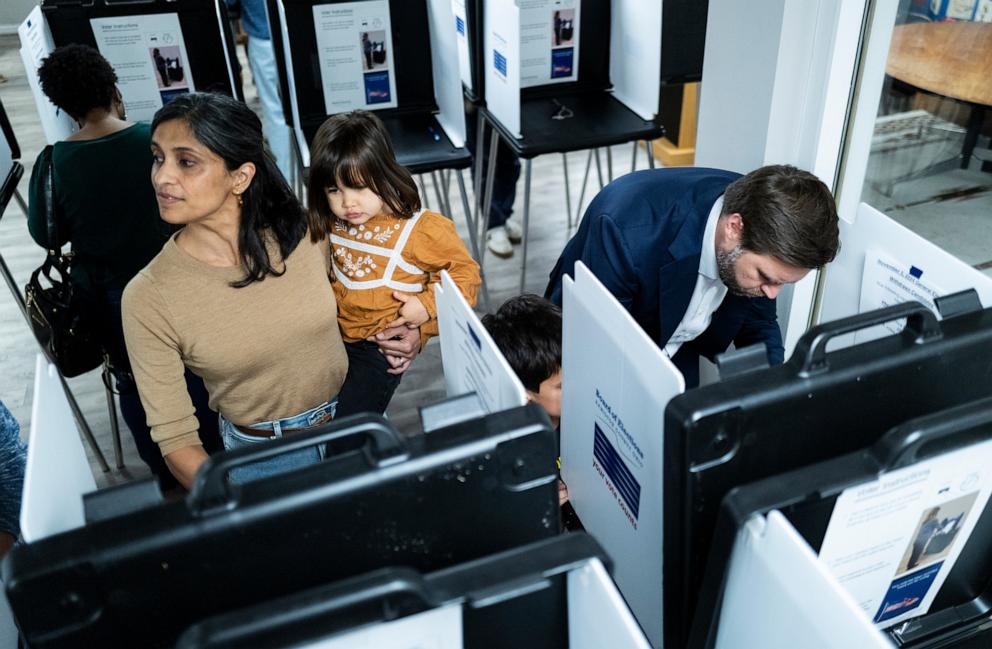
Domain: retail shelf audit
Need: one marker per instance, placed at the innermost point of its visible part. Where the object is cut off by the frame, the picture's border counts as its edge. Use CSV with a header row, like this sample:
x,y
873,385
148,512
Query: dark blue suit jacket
x,y
642,237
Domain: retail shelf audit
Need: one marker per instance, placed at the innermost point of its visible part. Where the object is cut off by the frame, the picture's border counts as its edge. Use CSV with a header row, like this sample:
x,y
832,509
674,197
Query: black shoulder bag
x,y
57,312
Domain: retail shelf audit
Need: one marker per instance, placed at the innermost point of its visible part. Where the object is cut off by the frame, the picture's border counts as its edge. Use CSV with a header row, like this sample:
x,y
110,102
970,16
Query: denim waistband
x,y
305,419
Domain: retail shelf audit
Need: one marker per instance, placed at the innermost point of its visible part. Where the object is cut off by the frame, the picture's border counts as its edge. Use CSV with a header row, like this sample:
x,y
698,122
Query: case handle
x,y
211,489
921,325
934,434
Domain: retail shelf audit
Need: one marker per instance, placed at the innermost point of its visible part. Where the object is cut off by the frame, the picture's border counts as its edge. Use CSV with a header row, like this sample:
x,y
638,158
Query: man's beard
x,y
726,263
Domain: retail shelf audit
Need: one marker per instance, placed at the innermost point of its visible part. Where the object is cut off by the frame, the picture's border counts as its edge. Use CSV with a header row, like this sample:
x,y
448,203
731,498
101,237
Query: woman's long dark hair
x,y
232,131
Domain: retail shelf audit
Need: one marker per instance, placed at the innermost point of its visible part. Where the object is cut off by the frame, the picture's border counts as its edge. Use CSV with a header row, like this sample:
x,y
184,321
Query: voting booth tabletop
x,y
818,405
550,594
955,574
426,502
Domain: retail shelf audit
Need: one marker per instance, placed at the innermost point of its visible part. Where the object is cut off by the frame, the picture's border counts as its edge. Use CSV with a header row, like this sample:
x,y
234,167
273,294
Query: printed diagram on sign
x,y
614,453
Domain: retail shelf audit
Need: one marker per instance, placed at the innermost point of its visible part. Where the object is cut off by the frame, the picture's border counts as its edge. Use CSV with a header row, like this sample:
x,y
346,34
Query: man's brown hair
x,y
788,213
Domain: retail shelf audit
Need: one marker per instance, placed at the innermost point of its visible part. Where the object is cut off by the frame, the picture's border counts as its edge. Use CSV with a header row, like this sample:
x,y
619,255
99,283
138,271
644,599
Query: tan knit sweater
x,y
266,351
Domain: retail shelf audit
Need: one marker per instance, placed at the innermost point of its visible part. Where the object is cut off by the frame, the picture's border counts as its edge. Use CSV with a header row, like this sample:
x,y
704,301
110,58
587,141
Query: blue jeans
x,y
262,60
234,438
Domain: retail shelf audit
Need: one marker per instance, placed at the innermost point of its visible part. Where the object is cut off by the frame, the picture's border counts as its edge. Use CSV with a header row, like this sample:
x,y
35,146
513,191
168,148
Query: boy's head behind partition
x,y
527,329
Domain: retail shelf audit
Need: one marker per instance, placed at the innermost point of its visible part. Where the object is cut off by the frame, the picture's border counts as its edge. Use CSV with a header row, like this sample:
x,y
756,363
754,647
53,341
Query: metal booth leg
x,y
568,191
650,152
475,244
425,203
633,159
84,427
599,169
436,181
487,200
523,264
582,192
609,163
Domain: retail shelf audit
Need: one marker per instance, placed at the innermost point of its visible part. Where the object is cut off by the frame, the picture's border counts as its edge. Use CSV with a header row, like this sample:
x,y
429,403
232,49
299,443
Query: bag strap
x,y
48,190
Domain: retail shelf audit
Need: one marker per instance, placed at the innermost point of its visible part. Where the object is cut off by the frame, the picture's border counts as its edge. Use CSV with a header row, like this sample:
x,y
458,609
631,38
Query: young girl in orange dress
x,y
387,252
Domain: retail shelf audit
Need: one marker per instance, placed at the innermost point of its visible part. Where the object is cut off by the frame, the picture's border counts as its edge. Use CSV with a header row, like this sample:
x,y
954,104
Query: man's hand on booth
x,y
400,345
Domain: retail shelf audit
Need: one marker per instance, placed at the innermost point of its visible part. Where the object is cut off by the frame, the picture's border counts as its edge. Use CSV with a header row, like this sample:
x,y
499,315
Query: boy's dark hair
x,y
788,213
527,329
77,79
230,129
354,149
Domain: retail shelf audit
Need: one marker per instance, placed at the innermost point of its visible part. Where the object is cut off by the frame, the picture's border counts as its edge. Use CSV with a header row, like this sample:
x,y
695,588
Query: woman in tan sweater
x,y
240,295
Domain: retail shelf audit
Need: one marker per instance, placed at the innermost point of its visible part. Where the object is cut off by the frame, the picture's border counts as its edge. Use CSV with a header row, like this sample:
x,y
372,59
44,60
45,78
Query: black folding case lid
x,y
69,21
806,497
816,406
428,501
517,598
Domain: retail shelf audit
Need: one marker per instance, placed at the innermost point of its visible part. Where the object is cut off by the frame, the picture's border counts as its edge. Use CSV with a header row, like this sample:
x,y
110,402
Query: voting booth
x,y
552,86
425,502
471,360
394,57
615,384
820,404
893,541
159,48
549,594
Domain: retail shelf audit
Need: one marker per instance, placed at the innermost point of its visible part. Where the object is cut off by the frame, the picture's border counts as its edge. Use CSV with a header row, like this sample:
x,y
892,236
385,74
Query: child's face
x,y
353,206
548,396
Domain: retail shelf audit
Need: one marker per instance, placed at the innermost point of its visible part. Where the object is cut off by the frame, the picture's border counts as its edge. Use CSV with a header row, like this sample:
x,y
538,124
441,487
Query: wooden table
x,y
951,59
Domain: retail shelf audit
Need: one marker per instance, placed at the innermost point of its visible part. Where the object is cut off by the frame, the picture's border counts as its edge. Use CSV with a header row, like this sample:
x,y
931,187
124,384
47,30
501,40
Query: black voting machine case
x,y
411,123
959,617
204,23
426,502
511,600
820,404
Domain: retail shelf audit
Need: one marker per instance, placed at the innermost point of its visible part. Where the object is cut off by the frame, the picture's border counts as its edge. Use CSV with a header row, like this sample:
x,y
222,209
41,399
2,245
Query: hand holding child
x,y
412,314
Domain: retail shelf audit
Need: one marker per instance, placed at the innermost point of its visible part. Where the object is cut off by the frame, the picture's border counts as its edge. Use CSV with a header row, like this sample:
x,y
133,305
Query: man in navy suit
x,y
698,256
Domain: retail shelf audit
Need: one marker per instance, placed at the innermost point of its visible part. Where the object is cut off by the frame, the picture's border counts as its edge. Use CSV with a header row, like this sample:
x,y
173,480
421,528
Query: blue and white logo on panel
x,y
616,469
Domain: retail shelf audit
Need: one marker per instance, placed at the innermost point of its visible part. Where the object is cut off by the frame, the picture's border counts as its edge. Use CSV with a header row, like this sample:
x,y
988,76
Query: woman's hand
x,y
412,314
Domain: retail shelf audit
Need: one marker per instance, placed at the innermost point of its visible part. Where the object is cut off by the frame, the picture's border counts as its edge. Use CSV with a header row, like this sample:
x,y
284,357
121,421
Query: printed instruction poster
x,y
149,56
355,49
887,281
892,542
549,41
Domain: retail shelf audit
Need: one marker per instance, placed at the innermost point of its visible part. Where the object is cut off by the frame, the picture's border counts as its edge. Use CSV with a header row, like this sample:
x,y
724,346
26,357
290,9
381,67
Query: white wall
x,y
13,13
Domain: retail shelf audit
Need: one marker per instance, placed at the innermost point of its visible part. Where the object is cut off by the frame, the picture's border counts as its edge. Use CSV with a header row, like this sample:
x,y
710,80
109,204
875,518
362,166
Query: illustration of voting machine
x,y
888,546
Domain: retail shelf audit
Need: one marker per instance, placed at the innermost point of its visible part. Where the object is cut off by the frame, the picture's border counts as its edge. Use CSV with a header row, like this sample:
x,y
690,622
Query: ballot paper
x,y
549,41
355,52
892,542
148,54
